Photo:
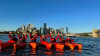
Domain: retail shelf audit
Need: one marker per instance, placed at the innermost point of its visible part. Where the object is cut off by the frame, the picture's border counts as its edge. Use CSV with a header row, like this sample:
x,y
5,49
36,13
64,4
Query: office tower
x,y
30,27
44,30
67,30
62,30
23,28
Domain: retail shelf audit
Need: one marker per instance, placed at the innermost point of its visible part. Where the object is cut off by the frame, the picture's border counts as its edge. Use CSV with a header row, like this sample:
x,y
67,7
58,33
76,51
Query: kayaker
x,y
12,37
49,35
33,36
68,40
43,37
22,37
58,37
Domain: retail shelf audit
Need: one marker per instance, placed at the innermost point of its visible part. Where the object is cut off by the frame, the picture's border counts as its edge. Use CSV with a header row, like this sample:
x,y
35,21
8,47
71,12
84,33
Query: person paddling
x,y
58,37
12,37
22,37
51,39
34,36
68,40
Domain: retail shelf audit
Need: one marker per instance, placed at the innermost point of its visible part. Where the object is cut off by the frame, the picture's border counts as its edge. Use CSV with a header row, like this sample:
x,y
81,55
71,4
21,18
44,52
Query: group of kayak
x,y
20,42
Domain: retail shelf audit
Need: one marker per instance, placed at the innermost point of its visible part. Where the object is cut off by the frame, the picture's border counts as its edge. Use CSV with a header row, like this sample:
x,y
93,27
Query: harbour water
x,y
91,47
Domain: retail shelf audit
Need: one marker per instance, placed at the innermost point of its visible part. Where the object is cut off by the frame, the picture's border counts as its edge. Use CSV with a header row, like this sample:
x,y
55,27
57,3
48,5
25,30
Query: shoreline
x,y
3,34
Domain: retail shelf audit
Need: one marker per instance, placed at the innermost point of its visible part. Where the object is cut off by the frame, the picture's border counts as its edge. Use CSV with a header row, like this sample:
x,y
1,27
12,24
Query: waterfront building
x,y
41,30
96,33
30,27
48,30
58,30
23,28
62,30
19,30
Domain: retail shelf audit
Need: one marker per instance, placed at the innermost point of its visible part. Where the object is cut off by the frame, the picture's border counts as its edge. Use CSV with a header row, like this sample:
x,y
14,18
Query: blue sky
x,y
78,15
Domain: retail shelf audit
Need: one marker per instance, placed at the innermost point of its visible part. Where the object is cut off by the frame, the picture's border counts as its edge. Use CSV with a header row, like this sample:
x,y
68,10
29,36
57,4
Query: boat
x,y
11,44
33,45
61,46
45,44
5,45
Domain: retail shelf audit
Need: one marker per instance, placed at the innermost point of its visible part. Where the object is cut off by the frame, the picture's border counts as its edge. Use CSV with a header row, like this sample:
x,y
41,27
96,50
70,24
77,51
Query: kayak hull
x,y
11,44
33,45
5,45
60,46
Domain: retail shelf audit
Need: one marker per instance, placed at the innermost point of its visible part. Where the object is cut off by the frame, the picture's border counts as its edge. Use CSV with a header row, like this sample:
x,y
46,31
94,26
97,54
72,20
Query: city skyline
x,y
42,30
78,16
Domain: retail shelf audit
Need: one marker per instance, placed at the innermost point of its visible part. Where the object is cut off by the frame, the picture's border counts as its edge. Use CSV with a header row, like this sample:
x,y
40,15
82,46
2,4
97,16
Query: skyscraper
x,y
30,27
23,28
44,30
61,30
67,30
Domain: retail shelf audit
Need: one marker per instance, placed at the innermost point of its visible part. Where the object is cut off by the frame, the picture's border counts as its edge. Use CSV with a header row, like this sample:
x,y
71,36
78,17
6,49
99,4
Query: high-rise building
x,y
48,30
23,28
62,30
67,30
44,30
30,27
41,30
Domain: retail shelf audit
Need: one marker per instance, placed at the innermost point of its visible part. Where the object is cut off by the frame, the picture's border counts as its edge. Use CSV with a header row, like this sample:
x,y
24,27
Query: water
x,y
91,47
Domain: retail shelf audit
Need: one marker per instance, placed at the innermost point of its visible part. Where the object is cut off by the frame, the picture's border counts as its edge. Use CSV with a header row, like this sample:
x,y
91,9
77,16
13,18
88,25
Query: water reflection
x,y
59,54
13,53
60,50
33,52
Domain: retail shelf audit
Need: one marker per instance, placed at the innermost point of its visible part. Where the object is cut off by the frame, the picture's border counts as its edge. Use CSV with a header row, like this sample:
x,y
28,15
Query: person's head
x,y
51,32
10,32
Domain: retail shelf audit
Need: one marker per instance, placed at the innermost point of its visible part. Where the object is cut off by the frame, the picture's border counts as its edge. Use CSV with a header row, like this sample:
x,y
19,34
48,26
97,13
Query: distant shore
x,y
3,34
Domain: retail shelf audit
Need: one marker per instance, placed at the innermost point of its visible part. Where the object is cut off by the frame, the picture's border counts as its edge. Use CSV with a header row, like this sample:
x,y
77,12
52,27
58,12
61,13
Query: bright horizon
x,y
78,15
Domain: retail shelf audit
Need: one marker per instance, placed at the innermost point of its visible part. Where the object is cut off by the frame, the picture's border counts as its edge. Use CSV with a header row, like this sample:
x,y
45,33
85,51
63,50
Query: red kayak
x,y
4,45
11,43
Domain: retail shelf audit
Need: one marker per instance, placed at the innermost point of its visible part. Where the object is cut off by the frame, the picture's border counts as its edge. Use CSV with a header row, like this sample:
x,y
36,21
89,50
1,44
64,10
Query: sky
x,y
78,15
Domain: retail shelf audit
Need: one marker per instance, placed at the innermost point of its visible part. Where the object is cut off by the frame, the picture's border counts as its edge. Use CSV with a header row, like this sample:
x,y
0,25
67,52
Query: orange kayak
x,y
61,46
45,44
33,45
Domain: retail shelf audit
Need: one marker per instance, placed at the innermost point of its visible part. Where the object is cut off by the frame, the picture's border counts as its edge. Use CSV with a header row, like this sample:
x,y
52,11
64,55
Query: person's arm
x,y
51,39
36,36
9,36
26,37
57,37
30,35
50,36
46,36
60,39
41,38
18,36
